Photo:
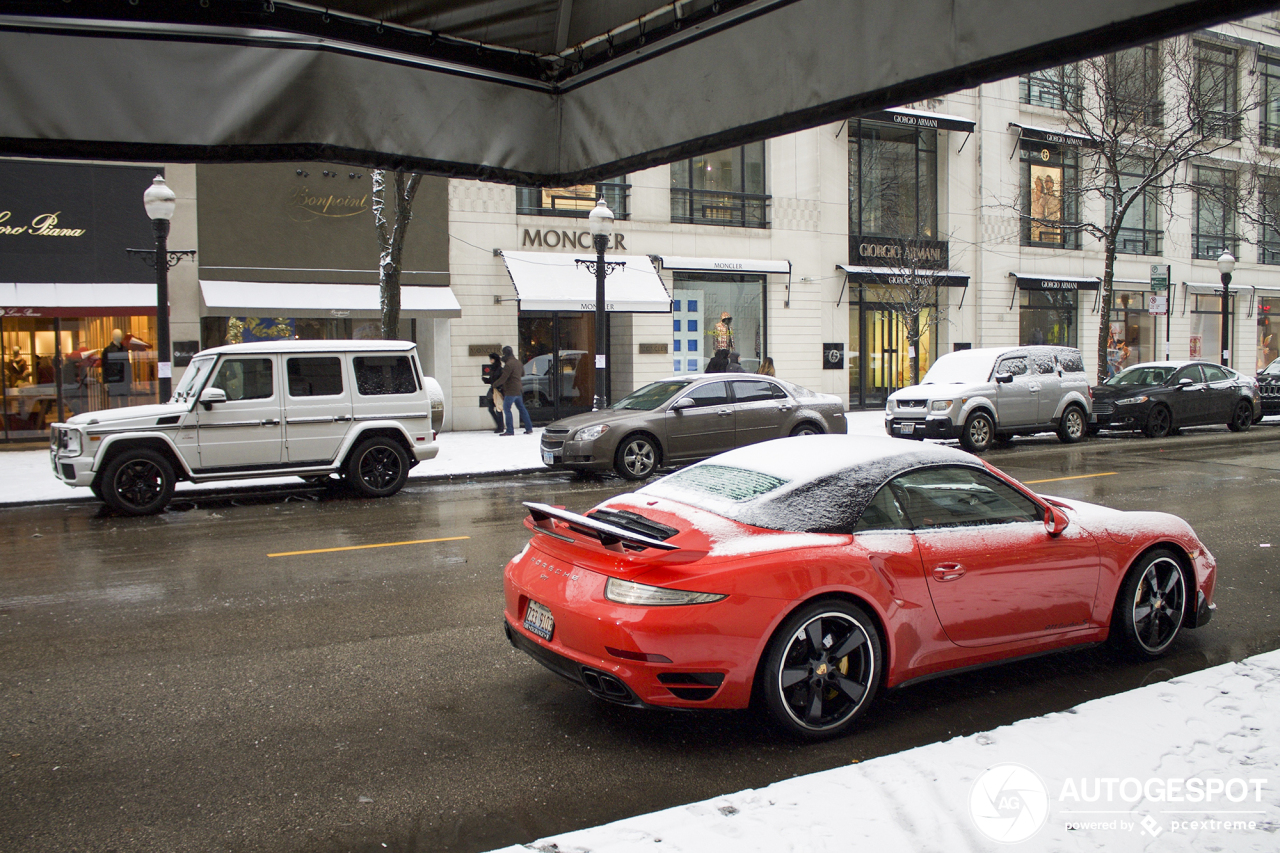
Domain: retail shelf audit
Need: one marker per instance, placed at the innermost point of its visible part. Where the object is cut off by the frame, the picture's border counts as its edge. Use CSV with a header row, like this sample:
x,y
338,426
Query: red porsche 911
x,y
807,574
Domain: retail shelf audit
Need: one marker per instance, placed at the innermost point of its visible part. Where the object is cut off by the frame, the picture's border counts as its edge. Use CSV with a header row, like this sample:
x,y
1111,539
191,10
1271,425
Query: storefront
x,y
77,313
556,302
1134,334
1268,314
1049,307
1204,303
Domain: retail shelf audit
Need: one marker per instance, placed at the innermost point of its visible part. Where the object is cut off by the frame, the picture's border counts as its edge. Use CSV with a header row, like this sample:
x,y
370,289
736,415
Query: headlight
x,y
69,441
1131,401
630,592
591,433
940,405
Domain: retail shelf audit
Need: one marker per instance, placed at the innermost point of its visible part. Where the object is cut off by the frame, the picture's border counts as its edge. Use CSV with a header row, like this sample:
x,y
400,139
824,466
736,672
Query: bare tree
x,y
911,290
1143,118
391,234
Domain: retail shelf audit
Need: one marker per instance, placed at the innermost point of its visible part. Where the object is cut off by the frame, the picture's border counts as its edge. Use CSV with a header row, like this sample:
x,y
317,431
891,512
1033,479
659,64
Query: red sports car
x,y
807,574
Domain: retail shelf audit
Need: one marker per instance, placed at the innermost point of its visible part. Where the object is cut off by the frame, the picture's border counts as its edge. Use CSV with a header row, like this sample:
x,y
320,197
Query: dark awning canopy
x,y
1032,281
920,118
898,275
546,92
1053,137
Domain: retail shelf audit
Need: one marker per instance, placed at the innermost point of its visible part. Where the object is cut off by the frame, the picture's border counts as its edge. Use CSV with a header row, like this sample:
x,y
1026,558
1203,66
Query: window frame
x,y
920,526
288,384
1149,237
1208,245
1062,82
744,209
1217,109
926,145
531,201
356,367
1269,119
1033,152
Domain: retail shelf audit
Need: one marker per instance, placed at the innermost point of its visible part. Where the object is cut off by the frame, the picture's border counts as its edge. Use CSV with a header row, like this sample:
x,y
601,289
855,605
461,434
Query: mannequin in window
x,y
115,365
16,368
722,334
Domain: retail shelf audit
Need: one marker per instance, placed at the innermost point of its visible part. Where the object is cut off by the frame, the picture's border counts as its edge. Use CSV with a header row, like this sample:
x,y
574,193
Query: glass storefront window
x,y
1206,327
94,373
711,312
1050,202
558,351
1268,326
893,180
1047,317
880,348
218,331
1132,336
722,188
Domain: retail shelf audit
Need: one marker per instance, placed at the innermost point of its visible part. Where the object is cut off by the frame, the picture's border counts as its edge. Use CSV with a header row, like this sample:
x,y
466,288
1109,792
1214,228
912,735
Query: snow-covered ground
x,y
1188,764
25,475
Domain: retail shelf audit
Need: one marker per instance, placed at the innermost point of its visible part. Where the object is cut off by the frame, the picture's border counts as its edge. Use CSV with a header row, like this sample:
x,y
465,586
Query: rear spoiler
x,y
611,536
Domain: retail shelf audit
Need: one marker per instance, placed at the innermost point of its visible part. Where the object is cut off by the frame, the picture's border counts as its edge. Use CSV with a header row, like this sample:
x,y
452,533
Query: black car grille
x,y
1101,407
1269,390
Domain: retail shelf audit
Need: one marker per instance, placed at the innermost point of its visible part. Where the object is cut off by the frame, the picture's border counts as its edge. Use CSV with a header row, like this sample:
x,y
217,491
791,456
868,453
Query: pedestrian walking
x,y
734,365
511,385
718,363
493,398
767,368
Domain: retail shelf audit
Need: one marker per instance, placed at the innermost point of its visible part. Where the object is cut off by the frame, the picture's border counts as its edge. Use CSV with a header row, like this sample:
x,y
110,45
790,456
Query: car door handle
x,y
784,407
270,422
724,413
948,572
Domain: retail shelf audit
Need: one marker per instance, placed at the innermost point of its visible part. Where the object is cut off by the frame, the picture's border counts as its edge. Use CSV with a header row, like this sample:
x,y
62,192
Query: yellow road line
x,y
363,547
1076,477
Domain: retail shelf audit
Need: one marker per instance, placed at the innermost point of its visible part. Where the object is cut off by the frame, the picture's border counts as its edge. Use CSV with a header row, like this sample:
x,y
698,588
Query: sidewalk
x,y
25,475
1189,764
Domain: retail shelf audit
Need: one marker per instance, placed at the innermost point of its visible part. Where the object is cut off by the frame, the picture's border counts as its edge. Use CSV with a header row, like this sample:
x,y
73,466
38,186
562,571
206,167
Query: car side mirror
x,y
1185,381
1002,378
1055,521
209,396
682,404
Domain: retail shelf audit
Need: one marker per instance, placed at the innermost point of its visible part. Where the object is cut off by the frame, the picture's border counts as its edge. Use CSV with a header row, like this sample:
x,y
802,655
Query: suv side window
x,y
1042,363
1016,365
1071,362
711,394
384,374
755,390
244,379
314,376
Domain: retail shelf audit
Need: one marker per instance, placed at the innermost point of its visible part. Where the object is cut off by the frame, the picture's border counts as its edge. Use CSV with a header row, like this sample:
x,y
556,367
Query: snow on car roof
x,y
311,346
806,484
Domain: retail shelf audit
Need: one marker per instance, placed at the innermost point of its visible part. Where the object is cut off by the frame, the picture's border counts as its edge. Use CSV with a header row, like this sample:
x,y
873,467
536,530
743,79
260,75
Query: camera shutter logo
x,y
1009,803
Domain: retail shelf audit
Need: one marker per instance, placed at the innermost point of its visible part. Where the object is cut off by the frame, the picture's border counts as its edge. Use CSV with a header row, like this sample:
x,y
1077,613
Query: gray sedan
x,y
686,418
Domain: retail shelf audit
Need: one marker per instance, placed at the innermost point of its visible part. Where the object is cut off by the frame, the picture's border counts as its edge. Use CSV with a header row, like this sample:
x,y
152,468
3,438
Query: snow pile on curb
x,y
1188,764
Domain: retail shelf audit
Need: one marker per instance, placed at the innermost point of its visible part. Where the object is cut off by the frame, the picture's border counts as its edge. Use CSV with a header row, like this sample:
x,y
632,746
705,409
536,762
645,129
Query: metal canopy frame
x,y
518,91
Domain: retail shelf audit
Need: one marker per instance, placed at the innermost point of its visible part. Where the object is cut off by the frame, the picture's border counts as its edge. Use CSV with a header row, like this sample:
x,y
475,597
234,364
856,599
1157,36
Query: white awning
x,y
545,281
886,275
726,265
76,300
293,299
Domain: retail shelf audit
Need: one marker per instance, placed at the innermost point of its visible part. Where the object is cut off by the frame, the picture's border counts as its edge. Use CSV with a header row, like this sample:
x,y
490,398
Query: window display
x,y
713,312
1047,317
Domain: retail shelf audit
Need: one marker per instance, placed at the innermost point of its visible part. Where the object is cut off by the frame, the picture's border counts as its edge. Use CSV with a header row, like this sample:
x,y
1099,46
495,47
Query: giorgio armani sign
x,y
893,252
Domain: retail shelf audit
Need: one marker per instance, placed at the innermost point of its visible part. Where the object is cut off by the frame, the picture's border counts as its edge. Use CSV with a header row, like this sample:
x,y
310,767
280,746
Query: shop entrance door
x,y
885,347
558,351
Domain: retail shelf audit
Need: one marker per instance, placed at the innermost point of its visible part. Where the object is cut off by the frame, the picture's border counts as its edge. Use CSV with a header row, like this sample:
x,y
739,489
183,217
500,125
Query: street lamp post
x,y
160,202
1226,265
600,221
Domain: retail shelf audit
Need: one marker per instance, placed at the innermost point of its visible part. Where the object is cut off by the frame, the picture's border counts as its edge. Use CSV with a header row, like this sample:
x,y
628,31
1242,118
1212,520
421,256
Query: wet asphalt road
x,y
167,685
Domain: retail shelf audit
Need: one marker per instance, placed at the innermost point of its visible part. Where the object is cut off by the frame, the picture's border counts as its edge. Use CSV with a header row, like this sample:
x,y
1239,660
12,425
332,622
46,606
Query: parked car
x,y
1268,379
1159,397
360,409
538,386
986,396
789,575
686,418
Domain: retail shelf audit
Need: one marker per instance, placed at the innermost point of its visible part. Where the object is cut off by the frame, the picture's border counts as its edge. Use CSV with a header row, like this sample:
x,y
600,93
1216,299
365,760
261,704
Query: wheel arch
x,y
982,405
1073,398
1184,562
384,430
122,444
647,433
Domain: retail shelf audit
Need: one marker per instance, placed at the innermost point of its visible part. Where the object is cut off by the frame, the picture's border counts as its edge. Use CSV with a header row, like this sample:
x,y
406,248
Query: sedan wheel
x,y
1151,605
138,482
822,669
806,429
978,433
1159,422
378,468
637,457
1242,417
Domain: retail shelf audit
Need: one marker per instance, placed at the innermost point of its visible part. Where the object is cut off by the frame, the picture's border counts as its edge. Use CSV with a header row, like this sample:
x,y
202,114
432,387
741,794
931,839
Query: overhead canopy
x,y
524,91
919,118
1212,289
545,281
1054,137
900,275
726,265
1035,281
291,299
77,300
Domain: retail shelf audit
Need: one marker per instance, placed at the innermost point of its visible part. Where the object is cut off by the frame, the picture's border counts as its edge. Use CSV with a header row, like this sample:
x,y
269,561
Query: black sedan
x,y
1161,397
1269,385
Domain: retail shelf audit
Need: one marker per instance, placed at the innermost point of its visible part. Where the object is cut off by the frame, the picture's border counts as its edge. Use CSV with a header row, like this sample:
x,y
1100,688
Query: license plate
x,y
548,457
906,429
538,620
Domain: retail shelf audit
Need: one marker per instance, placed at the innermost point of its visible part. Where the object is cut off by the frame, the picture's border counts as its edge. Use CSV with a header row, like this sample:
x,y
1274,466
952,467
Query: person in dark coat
x,y
734,366
489,375
719,362
511,384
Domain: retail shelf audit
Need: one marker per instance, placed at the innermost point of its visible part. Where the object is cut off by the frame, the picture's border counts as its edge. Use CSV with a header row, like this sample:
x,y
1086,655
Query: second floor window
x,y
1140,231
1214,224
723,188
574,201
1269,227
1055,88
1050,202
893,180
1133,84
1269,76
1215,95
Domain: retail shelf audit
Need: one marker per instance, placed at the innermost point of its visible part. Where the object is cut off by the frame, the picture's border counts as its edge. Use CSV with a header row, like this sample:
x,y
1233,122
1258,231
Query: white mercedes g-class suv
x,y
359,409
986,396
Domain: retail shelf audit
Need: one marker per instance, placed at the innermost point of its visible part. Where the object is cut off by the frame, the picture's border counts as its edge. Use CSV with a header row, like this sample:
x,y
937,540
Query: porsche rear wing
x,y
610,536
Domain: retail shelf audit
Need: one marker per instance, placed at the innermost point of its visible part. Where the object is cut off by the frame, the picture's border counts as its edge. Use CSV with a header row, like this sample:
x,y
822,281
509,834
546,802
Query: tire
x,y
96,488
1159,422
377,468
809,688
1242,417
137,482
978,433
806,428
1073,425
1151,606
637,457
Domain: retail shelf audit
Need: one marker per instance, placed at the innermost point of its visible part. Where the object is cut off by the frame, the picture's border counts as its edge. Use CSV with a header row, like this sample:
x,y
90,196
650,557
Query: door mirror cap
x,y
1004,377
209,396
1185,381
1055,521
682,403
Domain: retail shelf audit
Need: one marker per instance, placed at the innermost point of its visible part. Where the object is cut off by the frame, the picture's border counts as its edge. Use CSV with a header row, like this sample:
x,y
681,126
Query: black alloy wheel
x,y
1241,417
978,433
637,457
1151,605
1159,422
822,669
137,482
806,428
1072,426
378,468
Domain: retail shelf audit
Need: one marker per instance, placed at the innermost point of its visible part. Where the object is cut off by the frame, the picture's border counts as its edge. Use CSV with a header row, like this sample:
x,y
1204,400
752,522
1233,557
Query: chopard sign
x,y
42,225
